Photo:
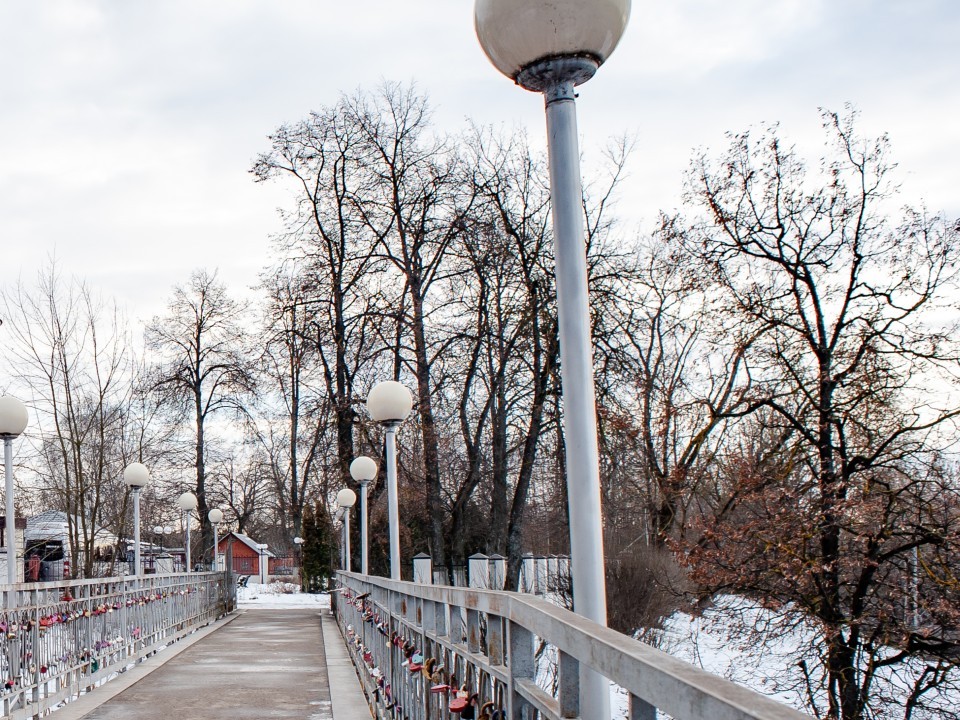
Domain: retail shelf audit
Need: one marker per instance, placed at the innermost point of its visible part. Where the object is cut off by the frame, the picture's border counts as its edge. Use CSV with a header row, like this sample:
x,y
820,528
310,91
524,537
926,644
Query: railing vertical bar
x,y
495,639
521,666
640,709
473,630
568,693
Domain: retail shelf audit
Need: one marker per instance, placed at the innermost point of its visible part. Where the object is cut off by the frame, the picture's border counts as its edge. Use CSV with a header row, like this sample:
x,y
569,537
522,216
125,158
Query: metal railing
x,y
419,647
61,639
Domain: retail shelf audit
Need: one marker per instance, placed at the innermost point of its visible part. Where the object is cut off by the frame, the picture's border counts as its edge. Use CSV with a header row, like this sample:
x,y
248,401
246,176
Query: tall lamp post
x,y
187,503
346,499
389,403
363,470
298,541
136,477
13,421
215,517
550,46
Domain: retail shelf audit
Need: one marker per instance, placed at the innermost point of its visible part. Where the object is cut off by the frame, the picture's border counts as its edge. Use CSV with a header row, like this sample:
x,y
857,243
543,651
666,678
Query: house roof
x,y
52,524
246,541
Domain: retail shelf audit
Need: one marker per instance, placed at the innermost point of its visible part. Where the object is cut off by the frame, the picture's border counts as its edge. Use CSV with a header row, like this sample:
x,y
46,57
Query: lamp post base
x,y
548,73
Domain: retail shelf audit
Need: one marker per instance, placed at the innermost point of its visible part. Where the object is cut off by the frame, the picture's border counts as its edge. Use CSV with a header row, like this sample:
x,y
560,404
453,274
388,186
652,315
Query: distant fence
x,y
539,574
58,639
417,647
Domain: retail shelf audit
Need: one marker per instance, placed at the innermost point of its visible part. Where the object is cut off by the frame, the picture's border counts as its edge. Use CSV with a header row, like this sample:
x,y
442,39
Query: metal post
x,y
576,363
136,532
393,503
364,568
11,519
346,540
186,516
216,548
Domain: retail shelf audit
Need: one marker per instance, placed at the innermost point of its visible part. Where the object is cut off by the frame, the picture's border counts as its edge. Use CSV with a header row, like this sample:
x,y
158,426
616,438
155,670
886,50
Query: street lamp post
x,y
338,517
550,46
363,470
13,421
298,541
136,477
346,499
389,403
215,517
187,503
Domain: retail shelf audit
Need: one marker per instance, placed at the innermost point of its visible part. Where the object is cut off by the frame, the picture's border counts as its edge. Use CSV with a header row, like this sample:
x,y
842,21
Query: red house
x,y
245,552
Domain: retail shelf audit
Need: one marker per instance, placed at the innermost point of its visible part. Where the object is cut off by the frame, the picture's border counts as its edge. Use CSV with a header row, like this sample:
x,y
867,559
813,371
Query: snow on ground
x,y
279,595
741,641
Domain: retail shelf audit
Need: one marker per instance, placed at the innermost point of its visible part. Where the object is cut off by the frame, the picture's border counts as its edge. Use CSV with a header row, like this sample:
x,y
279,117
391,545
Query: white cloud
x,y
127,128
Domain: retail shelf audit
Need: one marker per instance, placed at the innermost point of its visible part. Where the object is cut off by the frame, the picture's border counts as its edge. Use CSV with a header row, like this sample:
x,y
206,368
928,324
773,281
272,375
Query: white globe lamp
x,y
518,34
13,417
346,498
363,469
389,401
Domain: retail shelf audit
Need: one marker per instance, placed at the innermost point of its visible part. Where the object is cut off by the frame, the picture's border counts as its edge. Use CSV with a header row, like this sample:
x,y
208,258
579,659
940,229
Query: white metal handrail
x,y
59,639
486,641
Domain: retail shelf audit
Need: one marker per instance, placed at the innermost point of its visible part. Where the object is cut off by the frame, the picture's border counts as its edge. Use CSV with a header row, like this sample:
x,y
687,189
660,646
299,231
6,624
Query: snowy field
x,y
279,595
742,642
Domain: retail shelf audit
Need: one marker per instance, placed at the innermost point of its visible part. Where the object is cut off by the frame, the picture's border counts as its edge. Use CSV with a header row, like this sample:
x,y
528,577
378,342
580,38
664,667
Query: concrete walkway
x,y
262,664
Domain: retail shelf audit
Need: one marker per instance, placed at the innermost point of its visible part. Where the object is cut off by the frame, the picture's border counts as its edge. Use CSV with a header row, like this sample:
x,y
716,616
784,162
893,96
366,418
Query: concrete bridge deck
x,y
257,663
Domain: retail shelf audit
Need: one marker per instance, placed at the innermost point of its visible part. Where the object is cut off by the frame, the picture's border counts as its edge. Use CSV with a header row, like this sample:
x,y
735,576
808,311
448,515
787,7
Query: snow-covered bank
x,y
279,595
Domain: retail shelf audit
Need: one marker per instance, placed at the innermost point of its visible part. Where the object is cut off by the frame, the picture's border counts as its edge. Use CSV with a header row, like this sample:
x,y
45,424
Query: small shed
x,y
245,552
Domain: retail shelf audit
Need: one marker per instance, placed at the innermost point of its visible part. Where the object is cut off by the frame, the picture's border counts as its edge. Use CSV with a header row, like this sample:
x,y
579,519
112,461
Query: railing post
x,y
528,574
640,709
553,572
478,570
521,667
495,639
423,569
569,686
498,572
541,573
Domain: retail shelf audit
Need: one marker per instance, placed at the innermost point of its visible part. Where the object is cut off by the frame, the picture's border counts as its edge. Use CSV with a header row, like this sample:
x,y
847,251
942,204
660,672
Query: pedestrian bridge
x,y
176,647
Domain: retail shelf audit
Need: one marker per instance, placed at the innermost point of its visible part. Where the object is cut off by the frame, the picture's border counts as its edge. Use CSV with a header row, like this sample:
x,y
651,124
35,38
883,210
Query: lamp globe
x,y
346,498
389,401
363,469
13,416
136,475
187,502
518,33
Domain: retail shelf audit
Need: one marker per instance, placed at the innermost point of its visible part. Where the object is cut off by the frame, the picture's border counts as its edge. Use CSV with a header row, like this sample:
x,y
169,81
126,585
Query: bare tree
x,y
321,306
417,211
854,363
202,366
74,352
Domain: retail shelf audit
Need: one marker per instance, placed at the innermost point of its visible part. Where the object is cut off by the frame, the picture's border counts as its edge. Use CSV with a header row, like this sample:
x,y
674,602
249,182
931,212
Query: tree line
x,y
776,372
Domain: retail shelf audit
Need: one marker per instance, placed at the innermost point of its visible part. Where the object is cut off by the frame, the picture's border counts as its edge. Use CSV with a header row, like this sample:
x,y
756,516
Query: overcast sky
x,y
127,127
